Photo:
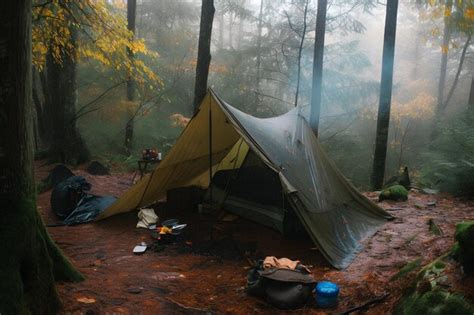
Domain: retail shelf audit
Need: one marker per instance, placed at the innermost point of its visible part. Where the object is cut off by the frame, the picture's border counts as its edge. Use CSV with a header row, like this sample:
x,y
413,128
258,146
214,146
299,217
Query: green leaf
x,y
409,267
434,228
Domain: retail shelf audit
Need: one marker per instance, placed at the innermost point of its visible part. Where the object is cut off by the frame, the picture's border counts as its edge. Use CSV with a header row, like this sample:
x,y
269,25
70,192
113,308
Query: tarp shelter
x,y
220,137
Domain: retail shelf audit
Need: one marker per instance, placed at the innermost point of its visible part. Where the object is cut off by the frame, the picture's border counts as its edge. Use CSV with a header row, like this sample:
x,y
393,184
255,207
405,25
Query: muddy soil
x,y
198,274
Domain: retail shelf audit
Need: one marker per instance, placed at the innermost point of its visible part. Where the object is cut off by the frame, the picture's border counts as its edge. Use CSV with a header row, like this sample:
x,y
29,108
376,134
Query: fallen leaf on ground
x,y
86,300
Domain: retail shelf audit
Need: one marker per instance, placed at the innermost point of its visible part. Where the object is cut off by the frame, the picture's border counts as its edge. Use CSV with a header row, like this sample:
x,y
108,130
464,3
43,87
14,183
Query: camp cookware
x,y
170,223
140,249
177,229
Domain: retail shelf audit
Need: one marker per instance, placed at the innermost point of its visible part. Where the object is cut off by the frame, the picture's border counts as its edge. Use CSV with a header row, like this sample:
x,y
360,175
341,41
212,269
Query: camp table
x,y
143,164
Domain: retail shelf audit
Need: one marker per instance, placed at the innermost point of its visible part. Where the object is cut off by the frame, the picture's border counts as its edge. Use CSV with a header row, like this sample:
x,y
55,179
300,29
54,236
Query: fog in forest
x,y
237,156
254,67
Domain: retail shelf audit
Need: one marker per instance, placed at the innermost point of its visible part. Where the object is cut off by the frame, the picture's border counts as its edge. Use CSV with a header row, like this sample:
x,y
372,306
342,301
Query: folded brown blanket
x,y
282,263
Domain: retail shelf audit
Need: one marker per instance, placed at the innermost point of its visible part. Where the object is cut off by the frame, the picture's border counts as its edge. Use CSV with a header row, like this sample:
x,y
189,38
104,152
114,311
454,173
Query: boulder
x,y
395,193
402,178
97,168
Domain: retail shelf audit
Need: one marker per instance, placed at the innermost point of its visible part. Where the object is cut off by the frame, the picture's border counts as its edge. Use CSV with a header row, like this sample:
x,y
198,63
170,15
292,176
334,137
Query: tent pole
x,y
210,161
210,149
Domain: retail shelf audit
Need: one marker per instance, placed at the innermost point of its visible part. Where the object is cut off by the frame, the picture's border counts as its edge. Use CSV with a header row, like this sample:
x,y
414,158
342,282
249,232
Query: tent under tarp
x,y
220,138
251,190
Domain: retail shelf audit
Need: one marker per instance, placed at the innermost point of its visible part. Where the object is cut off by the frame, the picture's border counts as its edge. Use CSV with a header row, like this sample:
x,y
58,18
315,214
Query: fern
x,y
450,163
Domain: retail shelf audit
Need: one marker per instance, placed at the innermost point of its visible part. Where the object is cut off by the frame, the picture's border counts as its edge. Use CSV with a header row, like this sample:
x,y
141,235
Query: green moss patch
x,y
434,302
395,193
465,249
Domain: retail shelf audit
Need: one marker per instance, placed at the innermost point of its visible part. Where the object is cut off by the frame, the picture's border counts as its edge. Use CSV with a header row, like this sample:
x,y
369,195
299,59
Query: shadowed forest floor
x,y
198,276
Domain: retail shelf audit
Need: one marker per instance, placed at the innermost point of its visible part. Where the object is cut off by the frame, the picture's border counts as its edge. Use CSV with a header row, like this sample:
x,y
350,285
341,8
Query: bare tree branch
x,y
340,131
300,51
80,112
273,97
456,78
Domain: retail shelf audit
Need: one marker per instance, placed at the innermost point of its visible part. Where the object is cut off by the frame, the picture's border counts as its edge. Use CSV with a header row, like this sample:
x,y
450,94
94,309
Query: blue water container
x,y
326,294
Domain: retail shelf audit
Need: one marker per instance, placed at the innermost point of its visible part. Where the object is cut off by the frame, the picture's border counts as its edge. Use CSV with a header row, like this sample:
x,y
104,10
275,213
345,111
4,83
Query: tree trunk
x,y
416,55
42,112
67,145
318,66
443,68
471,94
444,60
458,72
300,51
417,44
259,55
31,262
230,30
45,137
240,35
204,52
383,118
131,16
39,118
221,31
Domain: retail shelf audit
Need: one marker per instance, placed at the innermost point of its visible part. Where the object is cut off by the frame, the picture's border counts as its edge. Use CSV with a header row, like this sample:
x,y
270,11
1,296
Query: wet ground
x,y
199,275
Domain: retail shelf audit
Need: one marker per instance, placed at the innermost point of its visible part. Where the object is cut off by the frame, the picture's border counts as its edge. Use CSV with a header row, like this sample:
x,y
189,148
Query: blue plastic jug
x,y
326,294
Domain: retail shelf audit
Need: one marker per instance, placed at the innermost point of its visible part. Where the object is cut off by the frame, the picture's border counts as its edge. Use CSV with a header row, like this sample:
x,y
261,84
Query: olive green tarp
x,y
335,215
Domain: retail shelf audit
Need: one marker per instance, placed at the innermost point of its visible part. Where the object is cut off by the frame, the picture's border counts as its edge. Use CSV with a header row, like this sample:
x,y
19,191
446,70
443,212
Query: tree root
x,y
30,263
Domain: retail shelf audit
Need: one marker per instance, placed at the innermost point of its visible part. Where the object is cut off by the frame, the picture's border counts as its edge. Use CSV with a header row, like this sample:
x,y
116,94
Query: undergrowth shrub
x,y
449,166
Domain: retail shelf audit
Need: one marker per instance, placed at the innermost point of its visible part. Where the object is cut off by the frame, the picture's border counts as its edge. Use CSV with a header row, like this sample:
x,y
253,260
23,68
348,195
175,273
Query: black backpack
x,y
67,194
283,288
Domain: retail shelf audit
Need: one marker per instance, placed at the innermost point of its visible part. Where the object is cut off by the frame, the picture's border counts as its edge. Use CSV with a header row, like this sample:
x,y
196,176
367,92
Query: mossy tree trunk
x,y
30,261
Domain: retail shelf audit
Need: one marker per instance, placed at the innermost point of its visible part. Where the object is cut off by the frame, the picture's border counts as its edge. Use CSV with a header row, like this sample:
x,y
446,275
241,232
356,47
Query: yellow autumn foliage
x,y
447,11
103,36
469,14
419,108
458,15
115,113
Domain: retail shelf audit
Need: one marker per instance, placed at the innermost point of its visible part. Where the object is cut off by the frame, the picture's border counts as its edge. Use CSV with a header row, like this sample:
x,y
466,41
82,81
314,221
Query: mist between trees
x,y
262,54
